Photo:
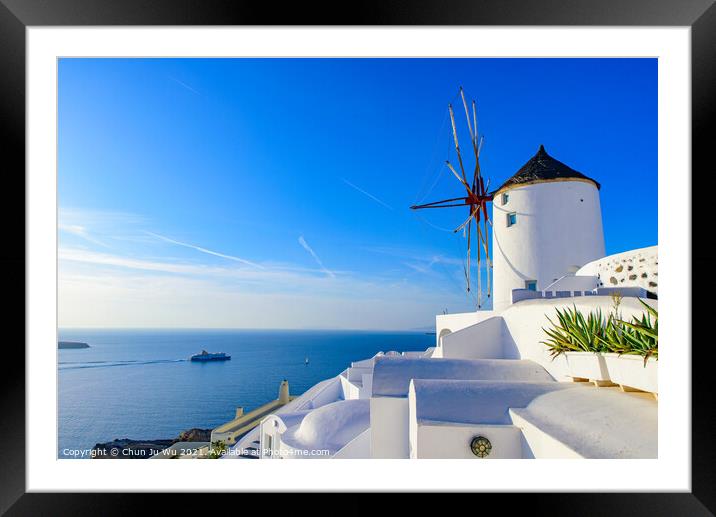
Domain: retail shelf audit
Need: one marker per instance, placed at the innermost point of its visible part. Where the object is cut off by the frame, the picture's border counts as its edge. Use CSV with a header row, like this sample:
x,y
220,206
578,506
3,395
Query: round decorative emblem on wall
x,y
480,446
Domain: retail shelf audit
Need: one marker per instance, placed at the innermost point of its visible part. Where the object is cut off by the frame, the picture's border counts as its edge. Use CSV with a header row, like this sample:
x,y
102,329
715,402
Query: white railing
x,y
519,295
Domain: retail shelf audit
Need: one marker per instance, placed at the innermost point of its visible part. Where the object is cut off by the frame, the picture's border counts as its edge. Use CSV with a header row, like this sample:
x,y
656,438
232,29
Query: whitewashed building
x,y
489,388
547,223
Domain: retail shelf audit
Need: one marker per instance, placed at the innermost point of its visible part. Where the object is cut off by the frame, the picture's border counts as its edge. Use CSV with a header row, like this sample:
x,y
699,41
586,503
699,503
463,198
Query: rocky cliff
x,y
124,448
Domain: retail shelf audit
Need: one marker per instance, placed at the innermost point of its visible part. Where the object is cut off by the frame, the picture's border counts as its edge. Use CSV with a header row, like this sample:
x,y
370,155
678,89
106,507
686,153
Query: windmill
x,y
476,197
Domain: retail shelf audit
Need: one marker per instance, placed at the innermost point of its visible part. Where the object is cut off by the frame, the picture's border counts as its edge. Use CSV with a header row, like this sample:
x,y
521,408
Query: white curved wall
x,y
457,321
558,230
488,337
633,268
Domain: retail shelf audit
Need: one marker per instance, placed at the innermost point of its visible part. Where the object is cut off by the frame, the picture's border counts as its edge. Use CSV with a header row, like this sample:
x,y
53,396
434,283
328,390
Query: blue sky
x,y
274,193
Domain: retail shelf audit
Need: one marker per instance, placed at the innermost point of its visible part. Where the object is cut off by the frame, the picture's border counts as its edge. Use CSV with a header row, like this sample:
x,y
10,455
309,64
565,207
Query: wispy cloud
x,y
306,247
371,196
205,250
95,226
80,231
135,281
184,85
417,267
104,259
427,258
99,298
284,275
101,218
107,289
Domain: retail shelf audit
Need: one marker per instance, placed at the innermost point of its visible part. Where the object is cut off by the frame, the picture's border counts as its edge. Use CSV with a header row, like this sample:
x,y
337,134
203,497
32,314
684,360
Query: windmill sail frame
x,y
477,197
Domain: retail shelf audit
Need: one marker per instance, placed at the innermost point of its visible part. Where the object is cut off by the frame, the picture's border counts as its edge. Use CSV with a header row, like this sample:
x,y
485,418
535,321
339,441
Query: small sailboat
x,y
306,361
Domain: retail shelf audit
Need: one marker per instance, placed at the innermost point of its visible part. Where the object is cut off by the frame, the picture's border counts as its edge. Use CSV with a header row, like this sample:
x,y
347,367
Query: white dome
x,y
331,426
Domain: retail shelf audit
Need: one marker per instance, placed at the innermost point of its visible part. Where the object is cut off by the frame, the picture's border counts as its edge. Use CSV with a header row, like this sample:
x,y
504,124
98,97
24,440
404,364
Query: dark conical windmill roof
x,y
543,168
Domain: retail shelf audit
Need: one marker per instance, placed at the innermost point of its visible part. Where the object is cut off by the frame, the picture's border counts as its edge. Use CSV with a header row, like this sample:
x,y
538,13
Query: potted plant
x,y
634,351
216,449
578,338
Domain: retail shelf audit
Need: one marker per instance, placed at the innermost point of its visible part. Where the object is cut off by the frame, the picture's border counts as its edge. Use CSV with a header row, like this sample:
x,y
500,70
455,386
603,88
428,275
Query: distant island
x,y
71,344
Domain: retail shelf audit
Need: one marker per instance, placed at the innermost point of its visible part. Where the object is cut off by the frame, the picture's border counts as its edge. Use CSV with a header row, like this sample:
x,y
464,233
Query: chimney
x,y
283,392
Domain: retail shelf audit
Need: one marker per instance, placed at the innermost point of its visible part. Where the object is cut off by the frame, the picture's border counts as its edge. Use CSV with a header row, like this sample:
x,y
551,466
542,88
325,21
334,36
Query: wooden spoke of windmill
x,y
476,197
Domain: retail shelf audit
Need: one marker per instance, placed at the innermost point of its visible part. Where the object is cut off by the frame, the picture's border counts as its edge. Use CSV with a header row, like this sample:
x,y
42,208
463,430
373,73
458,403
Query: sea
x,y
140,384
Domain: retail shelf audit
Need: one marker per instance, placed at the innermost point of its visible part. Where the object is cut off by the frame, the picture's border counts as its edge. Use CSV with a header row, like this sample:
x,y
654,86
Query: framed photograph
x,y
429,246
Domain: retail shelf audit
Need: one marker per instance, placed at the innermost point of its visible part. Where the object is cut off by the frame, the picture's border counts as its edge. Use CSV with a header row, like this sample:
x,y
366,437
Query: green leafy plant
x,y
614,338
642,334
574,332
216,449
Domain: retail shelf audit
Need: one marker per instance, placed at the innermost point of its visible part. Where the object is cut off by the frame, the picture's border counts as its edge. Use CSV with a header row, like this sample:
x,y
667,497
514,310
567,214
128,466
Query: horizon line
x,y
413,329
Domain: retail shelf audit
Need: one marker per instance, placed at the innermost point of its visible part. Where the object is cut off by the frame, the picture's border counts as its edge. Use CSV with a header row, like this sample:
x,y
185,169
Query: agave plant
x,y
575,333
614,337
642,334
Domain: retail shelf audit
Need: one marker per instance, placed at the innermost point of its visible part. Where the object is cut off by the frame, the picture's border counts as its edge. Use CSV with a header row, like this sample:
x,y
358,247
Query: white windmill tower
x,y
546,223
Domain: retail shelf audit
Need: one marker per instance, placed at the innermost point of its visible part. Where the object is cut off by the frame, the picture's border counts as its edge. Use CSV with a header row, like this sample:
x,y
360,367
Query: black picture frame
x,y
17,15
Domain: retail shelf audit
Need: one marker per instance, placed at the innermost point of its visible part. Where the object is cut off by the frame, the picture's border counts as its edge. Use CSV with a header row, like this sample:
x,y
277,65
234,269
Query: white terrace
x,y
489,375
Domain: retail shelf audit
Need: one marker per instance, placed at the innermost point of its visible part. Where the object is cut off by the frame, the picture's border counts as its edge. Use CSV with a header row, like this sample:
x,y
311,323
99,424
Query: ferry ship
x,y
210,356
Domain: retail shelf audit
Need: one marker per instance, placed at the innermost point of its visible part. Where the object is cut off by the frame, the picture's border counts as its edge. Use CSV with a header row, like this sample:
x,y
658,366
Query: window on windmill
x,y
511,219
531,285
505,198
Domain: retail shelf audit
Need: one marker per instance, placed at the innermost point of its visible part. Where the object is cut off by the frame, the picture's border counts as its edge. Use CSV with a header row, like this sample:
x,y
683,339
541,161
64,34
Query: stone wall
x,y
635,268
